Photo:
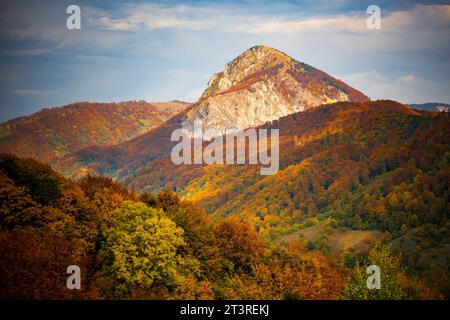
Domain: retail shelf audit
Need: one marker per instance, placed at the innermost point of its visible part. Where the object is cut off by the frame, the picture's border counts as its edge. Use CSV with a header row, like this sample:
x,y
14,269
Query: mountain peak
x,y
267,54
263,52
253,60
263,84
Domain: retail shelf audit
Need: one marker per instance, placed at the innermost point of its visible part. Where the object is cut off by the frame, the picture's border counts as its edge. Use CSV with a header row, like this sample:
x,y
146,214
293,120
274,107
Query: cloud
x,y
151,16
420,17
407,78
135,17
371,76
417,27
279,25
28,92
406,89
112,24
26,52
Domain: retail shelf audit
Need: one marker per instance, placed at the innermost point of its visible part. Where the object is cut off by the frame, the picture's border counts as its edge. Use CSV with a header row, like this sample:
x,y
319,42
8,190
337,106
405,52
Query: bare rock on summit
x,y
263,84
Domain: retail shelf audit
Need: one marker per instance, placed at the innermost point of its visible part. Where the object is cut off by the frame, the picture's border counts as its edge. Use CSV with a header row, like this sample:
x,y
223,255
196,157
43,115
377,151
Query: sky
x,y
168,50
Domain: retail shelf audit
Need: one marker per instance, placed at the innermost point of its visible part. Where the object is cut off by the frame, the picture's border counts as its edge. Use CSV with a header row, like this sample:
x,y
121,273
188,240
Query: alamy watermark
x,y
374,20
258,143
374,279
74,280
73,21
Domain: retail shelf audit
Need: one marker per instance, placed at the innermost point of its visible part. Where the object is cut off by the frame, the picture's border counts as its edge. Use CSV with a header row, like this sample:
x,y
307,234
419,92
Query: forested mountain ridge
x,y
51,133
375,166
353,166
177,250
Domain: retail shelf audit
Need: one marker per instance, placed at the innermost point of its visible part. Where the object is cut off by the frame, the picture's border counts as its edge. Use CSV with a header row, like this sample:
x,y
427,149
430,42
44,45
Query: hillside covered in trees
x,y
365,166
146,246
49,134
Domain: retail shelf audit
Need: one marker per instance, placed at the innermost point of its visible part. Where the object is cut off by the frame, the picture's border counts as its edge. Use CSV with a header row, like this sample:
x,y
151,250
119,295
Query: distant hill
x,y
431,106
51,133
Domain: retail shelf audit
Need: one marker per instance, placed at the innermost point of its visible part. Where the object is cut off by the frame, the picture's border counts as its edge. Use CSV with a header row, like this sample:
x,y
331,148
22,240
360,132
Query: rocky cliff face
x,y
263,84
